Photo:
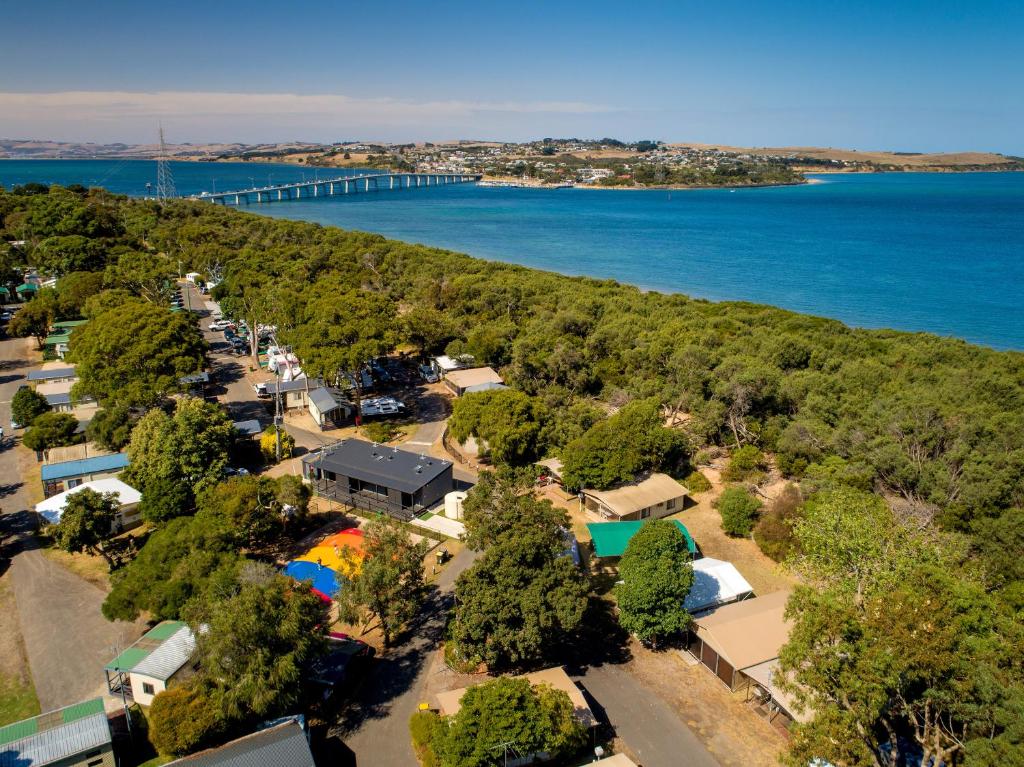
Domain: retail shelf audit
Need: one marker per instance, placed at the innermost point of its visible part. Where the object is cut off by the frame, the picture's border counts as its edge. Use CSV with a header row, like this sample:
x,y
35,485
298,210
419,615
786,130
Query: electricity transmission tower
x,y
164,180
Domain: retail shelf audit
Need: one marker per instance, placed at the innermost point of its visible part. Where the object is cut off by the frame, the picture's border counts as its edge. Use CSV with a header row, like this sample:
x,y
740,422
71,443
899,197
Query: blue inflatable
x,y
323,579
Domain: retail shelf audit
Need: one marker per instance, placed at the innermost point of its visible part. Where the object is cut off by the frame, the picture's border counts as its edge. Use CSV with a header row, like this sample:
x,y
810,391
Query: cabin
x,y
376,478
65,475
128,515
471,380
328,407
716,583
162,655
651,497
294,394
74,736
53,372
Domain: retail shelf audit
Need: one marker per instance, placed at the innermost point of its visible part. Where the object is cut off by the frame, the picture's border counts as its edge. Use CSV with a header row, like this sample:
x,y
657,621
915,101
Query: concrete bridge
x,y
366,182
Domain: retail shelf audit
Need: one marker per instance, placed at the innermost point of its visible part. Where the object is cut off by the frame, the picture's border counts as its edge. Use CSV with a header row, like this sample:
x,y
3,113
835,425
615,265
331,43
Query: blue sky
x,y
900,75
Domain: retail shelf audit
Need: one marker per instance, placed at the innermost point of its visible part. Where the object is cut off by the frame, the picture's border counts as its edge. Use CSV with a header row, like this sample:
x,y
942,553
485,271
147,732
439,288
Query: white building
x,y
52,509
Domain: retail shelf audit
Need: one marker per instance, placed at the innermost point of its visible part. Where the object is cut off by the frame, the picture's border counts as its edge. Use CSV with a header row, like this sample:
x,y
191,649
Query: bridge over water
x,y
342,185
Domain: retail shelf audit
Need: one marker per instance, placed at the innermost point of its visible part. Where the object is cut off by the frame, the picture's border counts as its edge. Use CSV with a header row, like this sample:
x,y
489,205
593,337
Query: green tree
x,y
388,586
619,448
519,600
35,318
51,430
149,276
268,444
87,521
509,712
183,719
74,290
247,505
166,499
135,355
745,462
739,511
657,575
507,423
190,446
70,253
187,558
258,642
502,504
27,404
111,427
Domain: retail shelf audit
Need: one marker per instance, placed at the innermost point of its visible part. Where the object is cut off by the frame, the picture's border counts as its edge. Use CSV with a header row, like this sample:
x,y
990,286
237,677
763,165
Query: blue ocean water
x,y
938,252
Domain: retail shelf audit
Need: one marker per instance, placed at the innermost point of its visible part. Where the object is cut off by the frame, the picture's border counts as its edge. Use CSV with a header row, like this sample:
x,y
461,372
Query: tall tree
x,y
51,430
87,522
36,317
502,504
149,276
388,584
258,642
27,404
507,423
247,505
656,576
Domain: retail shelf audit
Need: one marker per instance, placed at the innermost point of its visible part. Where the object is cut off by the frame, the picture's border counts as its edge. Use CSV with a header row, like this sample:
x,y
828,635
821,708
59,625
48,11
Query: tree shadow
x,y
10,489
8,379
394,673
599,640
13,364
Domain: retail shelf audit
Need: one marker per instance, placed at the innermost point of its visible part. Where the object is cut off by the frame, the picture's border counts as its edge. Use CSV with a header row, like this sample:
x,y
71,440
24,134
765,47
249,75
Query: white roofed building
x,y
52,509
716,583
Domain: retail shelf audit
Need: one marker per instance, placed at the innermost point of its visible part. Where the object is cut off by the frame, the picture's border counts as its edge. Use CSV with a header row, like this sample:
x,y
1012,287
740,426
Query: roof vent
x,y
419,469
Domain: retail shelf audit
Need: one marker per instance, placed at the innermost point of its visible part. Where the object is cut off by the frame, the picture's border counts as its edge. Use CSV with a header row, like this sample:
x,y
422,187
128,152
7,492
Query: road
x,y
376,728
67,639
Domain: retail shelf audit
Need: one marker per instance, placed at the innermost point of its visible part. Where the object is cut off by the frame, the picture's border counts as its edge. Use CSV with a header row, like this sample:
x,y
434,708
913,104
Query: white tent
x,y
53,507
715,583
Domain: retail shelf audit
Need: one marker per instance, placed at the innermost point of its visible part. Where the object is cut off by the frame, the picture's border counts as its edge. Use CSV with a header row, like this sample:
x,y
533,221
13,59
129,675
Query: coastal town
x,y
363,513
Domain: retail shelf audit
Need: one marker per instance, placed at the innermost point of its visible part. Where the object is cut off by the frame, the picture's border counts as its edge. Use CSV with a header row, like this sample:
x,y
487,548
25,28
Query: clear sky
x,y
899,75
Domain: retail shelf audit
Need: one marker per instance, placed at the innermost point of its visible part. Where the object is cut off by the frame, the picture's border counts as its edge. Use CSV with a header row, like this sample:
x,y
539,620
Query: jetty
x,y
331,187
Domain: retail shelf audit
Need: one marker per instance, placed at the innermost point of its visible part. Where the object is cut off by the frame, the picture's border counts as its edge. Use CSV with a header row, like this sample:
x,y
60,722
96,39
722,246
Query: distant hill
x,y
910,160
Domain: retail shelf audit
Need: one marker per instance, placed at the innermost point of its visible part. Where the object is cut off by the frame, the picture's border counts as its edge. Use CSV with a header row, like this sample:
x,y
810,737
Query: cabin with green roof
x,y
146,668
73,736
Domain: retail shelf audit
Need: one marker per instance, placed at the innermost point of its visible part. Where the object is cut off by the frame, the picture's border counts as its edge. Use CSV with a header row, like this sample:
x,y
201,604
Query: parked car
x,y
429,374
261,390
231,471
217,325
381,406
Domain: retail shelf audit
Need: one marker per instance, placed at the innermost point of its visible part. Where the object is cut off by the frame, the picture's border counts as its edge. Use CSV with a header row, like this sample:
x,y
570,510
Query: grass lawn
x,y
17,699
155,761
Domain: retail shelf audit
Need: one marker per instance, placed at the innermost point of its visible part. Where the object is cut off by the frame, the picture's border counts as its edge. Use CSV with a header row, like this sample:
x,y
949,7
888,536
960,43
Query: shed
x,y
68,474
489,386
653,496
281,745
58,394
735,637
450,702
459,381
250,428
715,583
372,477
74,736
611,538
52,509
445,364
53,374
147,667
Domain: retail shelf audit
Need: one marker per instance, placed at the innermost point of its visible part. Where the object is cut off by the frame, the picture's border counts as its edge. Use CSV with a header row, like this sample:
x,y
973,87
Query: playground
x,y
327,564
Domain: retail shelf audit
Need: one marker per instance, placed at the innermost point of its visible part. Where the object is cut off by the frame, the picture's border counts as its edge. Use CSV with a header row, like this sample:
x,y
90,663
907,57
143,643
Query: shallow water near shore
x,y
938,252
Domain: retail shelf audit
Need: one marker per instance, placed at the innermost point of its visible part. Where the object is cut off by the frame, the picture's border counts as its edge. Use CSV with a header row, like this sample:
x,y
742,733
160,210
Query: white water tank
x,y
453,504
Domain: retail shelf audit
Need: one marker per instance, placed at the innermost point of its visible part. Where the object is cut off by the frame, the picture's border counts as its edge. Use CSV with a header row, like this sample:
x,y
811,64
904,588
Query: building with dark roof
x,y
283,745
377,478
73,736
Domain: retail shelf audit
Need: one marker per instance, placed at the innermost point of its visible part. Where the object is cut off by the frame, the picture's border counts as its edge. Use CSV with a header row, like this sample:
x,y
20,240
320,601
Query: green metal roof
x,y
69,323
25,287
4,291
611,538
48,721
146,644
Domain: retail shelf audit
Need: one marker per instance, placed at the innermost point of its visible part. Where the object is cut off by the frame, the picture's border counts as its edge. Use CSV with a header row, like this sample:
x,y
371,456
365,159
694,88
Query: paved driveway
x,y
67,639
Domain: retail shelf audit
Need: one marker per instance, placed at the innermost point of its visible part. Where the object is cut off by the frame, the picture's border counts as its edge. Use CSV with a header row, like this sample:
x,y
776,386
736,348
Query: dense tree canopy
x,y
27,404
134,354
87,522
507,424
502,504
51,430
619,448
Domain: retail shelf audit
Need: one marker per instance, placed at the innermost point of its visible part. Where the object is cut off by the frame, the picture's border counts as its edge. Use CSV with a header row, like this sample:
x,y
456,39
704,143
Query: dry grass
x,y
86,566
17,695
936,160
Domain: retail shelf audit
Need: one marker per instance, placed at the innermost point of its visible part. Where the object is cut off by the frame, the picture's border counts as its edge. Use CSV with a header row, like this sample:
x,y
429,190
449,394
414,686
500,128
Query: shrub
x,y
697,482
182,720
746,461
380,431
268,444
739,511
426,728
774,531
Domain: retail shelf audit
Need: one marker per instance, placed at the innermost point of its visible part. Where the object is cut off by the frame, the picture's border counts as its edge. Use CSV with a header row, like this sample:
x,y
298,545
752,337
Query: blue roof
x,y
100,463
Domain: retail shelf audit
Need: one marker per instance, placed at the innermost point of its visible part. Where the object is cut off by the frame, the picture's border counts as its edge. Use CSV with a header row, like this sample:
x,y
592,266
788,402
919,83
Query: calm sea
x,y
914,251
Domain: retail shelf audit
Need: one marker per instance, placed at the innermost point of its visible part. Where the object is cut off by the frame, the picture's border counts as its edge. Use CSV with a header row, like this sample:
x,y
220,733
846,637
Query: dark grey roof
x,y
299,385
49,375
249,428
62,398
388,466
282,746
324,399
